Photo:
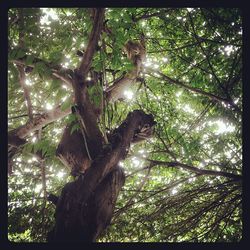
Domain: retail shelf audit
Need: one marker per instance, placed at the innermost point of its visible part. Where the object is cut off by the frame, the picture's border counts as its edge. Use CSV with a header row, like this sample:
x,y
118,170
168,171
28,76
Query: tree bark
x,y
85,206
16,137
84,221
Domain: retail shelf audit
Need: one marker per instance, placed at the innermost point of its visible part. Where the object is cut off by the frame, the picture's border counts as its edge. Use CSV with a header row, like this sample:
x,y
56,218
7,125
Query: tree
x,y
142,106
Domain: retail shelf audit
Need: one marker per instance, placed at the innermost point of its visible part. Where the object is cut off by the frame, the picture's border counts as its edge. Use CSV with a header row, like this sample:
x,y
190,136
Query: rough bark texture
x,y
86,205
83,221
72,152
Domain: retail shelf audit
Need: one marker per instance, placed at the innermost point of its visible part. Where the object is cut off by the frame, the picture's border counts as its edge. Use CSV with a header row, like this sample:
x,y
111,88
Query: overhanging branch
x,y
93,42
195,169
196,90
18,134
57,70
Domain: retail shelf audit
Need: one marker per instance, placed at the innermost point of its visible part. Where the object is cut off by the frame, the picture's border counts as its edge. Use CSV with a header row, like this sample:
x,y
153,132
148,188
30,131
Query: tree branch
x,y
196,90
21,68
131,199
93,42
106,162
116,90
149,15
16,136
203,51
85,109
196,170
57,70
25,90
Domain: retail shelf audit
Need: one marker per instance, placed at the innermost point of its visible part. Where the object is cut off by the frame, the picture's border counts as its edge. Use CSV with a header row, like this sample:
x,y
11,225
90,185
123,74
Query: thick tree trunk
x,y
85,221
85,206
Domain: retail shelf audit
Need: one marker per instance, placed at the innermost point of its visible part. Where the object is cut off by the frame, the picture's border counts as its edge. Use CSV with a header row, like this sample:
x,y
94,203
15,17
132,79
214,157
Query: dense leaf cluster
x,y
191,82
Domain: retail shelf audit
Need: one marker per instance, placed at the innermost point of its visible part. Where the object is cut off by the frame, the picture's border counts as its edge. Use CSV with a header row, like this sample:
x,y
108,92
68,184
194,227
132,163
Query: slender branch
x,y
16,117
203,51
228,99
235,80
13,150
147,16
25,90
174,49
196,170
21,68
130,201
196,90
44,188
16,136
203,39
194,65
194,124
21,27
235,63
138,170
167,150
93,42
57,70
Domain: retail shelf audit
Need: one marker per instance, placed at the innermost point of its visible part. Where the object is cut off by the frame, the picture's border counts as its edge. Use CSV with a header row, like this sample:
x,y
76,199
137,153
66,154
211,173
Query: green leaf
x,y
71,118
66,104
13,54
55,85
29,60
97,65
17,53
74,128
20,54
68,42
56,57
42,69
44,150
28,148
95,93
51,151
96,100
37,146
39,66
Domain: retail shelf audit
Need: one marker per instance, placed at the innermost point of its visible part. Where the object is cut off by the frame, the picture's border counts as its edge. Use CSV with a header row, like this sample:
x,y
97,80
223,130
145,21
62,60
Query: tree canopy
x,y
182,184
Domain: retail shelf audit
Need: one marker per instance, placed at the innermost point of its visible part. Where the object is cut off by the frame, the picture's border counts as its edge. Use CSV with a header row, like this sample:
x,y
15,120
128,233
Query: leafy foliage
x,y
202,49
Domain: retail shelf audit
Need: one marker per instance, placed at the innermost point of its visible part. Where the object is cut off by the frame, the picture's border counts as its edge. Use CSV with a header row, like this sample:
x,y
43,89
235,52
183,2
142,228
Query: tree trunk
x,y
85,206
85,221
